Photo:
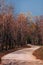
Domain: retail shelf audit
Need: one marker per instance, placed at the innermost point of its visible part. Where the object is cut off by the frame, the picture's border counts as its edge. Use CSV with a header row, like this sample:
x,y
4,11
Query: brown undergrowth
x,y
39,53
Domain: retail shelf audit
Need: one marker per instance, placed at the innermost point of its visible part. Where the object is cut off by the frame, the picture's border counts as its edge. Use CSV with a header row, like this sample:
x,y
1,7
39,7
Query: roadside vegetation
x,y
39,53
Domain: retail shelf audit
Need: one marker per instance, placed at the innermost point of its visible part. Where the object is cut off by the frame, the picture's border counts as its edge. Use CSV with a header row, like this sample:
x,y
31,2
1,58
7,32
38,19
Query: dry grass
x,y
39,53
12,50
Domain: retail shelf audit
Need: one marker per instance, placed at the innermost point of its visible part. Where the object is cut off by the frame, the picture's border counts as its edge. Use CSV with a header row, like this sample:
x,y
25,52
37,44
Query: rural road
x,y
22,57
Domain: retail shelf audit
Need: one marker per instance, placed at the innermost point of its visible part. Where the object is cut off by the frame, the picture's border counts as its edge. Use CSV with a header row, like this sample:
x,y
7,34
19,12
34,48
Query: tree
x,y
31,28
9,31
22,28
8,26
38,31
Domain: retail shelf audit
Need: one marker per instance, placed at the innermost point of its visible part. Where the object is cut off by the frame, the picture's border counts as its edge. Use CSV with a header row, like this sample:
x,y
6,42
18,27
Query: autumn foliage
x,y
18,30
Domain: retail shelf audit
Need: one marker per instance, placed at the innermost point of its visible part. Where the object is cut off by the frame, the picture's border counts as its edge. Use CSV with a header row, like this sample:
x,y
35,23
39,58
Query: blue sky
x,y
33,6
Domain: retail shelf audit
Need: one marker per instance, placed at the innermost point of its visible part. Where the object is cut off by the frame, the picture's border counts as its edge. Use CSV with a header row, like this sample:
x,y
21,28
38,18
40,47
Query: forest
x,y
19,30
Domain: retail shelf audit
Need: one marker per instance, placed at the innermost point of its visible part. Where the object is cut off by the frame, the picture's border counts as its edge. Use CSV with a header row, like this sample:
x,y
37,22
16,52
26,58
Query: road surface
x,y
22,57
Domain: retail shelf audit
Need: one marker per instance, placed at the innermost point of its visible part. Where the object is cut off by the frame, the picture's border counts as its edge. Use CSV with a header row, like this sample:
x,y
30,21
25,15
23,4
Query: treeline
x,y
18,30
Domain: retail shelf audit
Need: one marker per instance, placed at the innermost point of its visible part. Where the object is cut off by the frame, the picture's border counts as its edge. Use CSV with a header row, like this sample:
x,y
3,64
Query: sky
x,y
33,6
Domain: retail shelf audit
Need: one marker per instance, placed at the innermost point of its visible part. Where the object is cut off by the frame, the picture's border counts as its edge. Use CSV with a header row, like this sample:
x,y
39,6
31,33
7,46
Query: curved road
x,y
22,57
